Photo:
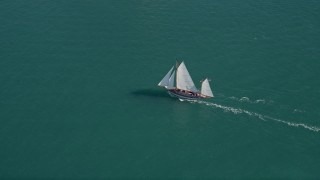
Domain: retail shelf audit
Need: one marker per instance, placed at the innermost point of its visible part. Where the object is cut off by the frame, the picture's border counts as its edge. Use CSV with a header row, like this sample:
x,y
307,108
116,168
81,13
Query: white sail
x,y
165,80
171,81
205,88
184,80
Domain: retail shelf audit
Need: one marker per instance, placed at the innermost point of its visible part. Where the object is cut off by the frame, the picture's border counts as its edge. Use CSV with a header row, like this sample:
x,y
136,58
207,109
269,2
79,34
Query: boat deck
x,y
184,94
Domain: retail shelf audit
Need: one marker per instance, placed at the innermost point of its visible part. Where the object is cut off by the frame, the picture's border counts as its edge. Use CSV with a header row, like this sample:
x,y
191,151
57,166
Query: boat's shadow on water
x,y
154,93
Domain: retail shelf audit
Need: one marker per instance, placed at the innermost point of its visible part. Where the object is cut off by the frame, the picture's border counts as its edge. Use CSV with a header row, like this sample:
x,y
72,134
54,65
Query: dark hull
x,y
181,94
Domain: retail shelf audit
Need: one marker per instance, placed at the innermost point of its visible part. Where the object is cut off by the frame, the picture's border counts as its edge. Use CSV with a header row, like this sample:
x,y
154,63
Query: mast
x,y
177,65
171,81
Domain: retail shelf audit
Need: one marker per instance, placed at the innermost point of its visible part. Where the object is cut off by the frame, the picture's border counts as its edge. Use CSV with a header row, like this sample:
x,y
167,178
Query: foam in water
x,y
298,111
248,100
260,116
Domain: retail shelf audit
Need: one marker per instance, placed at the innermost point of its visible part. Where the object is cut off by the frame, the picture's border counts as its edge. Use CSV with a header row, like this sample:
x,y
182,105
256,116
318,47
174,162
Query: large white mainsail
x,y
165,80
205,88
184,80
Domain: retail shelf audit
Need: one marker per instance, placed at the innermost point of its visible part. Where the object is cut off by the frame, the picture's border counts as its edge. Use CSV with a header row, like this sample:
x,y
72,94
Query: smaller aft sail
x,y
205,88
165,81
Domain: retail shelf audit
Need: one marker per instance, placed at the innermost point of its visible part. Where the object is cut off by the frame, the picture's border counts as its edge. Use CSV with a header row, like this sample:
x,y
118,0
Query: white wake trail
x,y
260,116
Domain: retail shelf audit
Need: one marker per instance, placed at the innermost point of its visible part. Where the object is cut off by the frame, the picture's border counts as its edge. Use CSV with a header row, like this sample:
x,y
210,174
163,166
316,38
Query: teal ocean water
x,y
79,95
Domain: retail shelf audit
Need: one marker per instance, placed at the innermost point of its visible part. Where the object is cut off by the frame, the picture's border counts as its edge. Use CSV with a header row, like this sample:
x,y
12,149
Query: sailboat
x,y
178,83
